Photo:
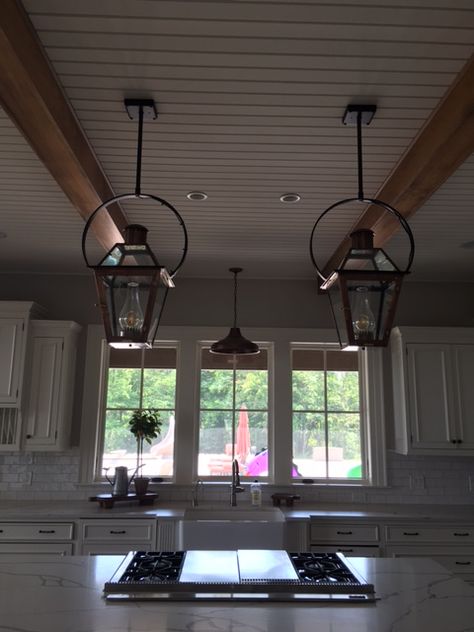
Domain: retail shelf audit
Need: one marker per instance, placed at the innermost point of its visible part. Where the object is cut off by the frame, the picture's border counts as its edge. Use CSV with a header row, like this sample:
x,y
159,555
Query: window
x,y
139,379
327,428
299,425
233,414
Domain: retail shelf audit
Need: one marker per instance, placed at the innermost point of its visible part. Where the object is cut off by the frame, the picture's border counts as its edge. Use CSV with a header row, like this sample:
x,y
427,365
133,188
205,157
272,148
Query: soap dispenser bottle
x,y
256,494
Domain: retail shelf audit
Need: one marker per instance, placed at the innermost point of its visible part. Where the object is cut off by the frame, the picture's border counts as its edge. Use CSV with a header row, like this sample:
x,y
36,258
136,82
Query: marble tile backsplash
x,y
427,480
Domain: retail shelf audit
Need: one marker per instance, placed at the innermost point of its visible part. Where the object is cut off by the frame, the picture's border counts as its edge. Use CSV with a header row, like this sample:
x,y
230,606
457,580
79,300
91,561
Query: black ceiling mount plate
x,y
133,108
352,111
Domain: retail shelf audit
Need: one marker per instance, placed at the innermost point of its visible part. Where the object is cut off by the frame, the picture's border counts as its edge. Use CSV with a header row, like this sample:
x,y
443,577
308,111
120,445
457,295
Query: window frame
x,y
103,404
364,480
268,346
187,341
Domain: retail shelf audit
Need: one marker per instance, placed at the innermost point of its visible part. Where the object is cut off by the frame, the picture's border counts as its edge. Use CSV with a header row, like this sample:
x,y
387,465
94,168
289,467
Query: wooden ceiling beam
x,y
442,145
35,101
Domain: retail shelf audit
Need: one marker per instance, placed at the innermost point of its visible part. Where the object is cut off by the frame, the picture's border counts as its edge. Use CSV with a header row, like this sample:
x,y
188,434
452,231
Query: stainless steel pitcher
x,y
121,482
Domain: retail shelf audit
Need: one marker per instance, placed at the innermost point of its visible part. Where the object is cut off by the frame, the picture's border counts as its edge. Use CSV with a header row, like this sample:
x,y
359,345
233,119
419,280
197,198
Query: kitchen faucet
x,y
195,494
235,487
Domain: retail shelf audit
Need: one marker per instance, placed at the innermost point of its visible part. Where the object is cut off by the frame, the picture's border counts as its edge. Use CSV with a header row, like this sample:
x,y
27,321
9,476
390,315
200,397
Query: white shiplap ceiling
x,y
250,97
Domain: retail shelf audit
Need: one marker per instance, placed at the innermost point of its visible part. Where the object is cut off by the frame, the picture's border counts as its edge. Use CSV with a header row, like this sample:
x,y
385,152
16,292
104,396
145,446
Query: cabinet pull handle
x,y
46,531
461,534
1,530
411,533
463,563
344,532
346,550
117,532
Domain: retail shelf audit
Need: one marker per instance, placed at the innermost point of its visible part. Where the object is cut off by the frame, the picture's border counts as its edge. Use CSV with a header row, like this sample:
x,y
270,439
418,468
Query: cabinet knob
x,y
28,436
453,440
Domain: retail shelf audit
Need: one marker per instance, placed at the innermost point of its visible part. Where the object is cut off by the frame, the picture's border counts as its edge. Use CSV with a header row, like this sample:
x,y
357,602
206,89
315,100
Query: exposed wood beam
x,y
35,101
442,145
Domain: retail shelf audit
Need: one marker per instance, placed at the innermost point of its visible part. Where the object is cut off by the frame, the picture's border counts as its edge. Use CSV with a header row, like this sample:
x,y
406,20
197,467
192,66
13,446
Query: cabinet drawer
x,y
348,550
120,548
421,533
36,531
36,548
111,530
458,560
343,533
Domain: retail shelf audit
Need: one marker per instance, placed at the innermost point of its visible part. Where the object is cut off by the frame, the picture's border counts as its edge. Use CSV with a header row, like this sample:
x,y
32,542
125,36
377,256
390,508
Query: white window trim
x,y
187,399
268,346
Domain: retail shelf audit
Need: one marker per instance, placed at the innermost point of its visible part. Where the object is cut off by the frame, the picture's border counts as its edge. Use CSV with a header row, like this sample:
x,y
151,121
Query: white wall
x,y
262,303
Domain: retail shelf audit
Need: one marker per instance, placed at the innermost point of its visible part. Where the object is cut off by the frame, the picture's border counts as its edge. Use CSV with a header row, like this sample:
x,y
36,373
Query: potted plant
x,y
145,425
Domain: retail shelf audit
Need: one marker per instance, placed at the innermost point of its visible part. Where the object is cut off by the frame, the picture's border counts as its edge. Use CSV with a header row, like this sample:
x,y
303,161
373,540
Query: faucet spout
x,y
235,487
195,495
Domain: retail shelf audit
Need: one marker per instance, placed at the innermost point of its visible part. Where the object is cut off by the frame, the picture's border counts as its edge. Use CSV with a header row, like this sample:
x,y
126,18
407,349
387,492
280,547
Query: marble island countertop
x,y
75,509
50,594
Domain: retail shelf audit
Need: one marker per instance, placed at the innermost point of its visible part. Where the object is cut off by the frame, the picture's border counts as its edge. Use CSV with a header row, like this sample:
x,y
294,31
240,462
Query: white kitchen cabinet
x,y
14,324
433,395
51,384
116,536
11,352
353,539
27,538
450,545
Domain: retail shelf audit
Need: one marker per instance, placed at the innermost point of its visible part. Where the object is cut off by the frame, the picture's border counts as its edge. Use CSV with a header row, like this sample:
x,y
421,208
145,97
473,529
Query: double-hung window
x,y
233,414
144,380
328,434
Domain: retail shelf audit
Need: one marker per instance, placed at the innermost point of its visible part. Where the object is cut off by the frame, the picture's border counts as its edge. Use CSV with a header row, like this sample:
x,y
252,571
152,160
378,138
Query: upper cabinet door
x,y
11,356
43,405
464,395
430,396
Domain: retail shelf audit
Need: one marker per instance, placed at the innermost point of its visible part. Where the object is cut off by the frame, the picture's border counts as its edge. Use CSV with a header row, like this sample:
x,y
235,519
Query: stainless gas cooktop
x,y
246,575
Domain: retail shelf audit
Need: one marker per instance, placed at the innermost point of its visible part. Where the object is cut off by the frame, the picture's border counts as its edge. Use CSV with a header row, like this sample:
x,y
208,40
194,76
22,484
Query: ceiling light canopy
x,y
363,291
132,285
234,343
290,198
197,196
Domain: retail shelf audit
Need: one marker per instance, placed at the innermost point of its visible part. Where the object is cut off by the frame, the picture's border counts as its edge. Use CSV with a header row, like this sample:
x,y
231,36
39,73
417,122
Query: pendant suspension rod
x,y
235,300
359,156
235,272
139,151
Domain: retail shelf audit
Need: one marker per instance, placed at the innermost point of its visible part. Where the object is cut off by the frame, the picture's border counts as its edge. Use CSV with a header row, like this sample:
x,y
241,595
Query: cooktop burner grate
x,y
154,567
322,568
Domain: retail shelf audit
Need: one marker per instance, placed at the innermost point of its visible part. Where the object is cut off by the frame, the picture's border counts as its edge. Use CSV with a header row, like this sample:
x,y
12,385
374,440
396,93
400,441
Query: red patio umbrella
x,y
242,439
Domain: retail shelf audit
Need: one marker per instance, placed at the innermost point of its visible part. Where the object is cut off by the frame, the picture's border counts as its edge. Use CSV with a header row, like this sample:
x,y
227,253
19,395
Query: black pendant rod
x,y
139,152
235,272
359,156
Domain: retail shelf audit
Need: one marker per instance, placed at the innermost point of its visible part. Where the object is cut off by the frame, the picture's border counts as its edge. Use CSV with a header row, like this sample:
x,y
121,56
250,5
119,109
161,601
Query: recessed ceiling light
x,y
197,196
290,198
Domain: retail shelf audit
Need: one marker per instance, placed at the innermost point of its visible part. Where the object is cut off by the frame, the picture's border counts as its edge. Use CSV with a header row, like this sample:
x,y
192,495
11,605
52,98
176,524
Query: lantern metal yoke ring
x,y
132,285
363,291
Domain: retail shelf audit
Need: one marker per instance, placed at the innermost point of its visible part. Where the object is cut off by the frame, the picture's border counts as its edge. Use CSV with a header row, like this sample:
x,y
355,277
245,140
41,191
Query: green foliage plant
x,y
145,425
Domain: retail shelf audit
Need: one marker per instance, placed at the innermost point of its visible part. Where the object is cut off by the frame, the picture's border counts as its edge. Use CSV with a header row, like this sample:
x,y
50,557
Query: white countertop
x,y
63,510
47,594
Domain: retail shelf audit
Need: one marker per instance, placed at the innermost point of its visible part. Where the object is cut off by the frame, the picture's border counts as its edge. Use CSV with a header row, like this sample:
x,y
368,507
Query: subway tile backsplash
x,y
427,480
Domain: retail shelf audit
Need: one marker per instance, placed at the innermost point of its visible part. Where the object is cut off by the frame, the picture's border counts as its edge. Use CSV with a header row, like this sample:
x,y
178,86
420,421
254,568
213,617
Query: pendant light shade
x,y
363,291
132,286
234,343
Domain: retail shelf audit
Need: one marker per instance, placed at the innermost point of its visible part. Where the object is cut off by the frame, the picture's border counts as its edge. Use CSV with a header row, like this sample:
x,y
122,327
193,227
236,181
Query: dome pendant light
x,y
234,343
132,286
363,291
